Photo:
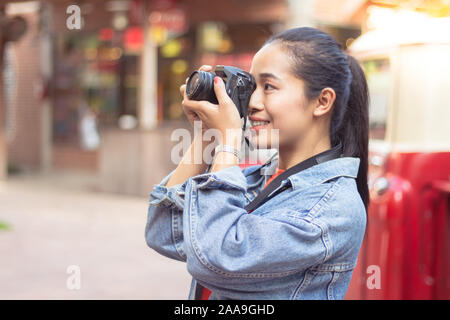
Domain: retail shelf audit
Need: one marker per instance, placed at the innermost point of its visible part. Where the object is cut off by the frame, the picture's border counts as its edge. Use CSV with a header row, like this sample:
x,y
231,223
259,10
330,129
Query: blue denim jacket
x,y
301,244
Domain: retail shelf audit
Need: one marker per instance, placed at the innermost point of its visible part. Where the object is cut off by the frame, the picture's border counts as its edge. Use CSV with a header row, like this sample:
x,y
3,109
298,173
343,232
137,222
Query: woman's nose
x,y
255,103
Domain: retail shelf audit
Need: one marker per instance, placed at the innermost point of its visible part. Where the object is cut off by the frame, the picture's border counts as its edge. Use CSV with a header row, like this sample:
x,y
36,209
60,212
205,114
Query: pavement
x,y
68,241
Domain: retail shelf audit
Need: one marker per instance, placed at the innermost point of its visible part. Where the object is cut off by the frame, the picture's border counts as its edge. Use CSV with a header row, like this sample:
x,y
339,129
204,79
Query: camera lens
x,y
194,80
200,86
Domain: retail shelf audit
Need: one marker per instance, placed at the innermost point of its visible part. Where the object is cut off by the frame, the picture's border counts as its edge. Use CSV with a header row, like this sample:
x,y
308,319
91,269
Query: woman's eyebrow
x,y
266,75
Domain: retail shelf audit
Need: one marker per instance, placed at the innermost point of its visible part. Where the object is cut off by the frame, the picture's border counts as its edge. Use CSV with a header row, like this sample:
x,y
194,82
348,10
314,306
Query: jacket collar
x,y
322,172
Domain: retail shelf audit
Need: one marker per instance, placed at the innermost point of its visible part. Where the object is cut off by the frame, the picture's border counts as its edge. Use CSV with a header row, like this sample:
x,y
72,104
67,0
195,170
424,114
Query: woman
x,y
303,243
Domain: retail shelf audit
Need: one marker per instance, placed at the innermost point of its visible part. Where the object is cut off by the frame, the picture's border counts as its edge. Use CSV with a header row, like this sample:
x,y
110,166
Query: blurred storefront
x,y
105,99
95,77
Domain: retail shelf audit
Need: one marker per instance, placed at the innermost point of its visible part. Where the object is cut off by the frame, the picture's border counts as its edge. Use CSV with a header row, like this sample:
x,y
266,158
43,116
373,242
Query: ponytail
x,y
354,132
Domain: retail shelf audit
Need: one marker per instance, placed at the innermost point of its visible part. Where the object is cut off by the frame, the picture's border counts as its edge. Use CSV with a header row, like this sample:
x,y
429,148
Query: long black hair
x,y
318,60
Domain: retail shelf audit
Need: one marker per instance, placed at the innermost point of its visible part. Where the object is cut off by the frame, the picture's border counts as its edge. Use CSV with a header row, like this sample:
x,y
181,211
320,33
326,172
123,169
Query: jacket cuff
x,y
228,178
171,197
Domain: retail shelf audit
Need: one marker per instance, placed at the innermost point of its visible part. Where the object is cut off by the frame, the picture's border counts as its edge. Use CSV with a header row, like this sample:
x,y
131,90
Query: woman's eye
x,y
268,86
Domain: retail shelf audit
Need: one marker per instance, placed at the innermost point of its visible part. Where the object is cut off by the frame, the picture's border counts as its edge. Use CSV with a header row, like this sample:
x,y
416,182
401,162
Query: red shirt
x,y
206,292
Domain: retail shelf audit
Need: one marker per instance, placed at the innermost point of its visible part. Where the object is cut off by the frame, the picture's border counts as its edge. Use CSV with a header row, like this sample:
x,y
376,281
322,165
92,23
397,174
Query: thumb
x,y
220,91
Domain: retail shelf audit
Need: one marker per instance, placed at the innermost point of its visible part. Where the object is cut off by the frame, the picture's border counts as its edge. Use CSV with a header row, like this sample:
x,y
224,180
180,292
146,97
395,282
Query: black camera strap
x,y
274,187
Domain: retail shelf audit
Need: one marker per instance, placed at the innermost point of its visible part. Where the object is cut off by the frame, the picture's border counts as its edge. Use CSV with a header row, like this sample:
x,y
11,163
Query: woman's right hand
x,y
188,167
192,116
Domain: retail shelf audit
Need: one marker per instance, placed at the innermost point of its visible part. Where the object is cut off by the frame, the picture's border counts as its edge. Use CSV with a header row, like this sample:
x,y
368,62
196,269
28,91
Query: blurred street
x,y
53,224
91,118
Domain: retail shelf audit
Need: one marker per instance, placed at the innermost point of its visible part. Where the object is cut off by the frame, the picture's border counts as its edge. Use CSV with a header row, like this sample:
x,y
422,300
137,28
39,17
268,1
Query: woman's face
x,y
279,101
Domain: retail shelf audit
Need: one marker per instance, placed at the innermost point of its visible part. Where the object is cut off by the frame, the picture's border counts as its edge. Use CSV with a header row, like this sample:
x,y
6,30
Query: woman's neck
x,y
289,156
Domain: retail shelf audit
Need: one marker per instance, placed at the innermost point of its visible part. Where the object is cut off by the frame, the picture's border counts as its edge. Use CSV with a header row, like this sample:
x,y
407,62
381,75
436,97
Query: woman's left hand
x,y
222,116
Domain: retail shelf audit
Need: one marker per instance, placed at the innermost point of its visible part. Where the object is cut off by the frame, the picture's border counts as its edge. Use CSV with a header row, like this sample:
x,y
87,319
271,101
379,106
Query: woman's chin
x,y
264,138
260,143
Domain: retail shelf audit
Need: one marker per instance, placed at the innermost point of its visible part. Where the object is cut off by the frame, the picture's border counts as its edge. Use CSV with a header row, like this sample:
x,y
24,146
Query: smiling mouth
x,y
259,123
256,125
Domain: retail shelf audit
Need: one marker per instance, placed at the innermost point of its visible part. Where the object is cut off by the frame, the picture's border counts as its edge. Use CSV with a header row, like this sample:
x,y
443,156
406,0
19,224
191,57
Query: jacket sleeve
x,y
227,247
164,228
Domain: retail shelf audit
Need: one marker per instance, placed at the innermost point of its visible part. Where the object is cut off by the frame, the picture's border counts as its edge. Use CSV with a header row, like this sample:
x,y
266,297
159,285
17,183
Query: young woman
x,y
302,243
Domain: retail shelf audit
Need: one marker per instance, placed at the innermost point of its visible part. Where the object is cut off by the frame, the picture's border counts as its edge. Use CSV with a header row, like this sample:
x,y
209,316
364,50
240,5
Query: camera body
x,y
238,84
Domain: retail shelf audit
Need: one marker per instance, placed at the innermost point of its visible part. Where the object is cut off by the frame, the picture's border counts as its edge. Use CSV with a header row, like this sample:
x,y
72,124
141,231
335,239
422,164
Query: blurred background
x,y
88,105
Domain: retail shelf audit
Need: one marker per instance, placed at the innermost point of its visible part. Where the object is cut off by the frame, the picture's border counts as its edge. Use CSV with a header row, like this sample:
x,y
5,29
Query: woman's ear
x,y
325,102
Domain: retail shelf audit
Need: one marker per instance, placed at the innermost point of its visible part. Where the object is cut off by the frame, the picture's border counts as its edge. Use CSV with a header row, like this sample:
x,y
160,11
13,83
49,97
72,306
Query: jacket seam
x,y
212,179
325,239
330,291
175,234
303,284
334,267
315,211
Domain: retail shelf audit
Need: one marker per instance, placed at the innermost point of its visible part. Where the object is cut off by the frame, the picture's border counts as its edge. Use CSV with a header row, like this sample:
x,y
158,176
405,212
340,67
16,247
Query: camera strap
x,y
274,187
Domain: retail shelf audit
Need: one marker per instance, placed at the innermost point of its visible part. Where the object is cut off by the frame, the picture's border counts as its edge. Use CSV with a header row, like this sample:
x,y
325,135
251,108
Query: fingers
x,y
198,106
183,90
201,108
221,93
205,67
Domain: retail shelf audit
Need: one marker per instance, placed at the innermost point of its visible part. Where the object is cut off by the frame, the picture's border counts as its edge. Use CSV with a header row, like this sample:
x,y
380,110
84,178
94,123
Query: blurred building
x,y
105,99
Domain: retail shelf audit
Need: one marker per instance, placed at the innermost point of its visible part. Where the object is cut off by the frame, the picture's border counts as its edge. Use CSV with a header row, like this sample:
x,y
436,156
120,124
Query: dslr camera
x,y
238,84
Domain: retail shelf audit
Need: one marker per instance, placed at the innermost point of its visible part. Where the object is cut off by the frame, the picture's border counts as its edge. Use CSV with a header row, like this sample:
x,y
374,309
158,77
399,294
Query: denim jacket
x,y
301,244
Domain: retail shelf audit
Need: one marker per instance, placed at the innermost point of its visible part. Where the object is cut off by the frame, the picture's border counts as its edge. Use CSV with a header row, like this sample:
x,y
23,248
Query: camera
x,y
238,84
